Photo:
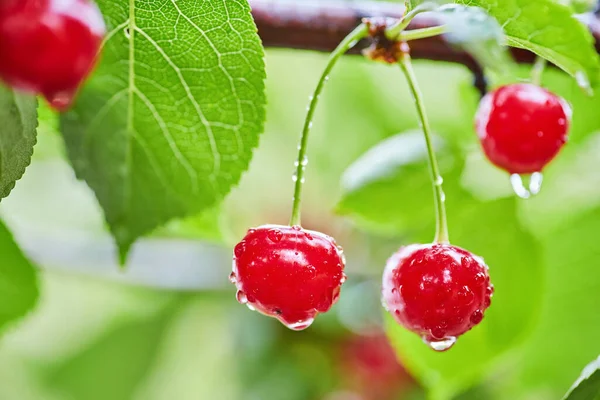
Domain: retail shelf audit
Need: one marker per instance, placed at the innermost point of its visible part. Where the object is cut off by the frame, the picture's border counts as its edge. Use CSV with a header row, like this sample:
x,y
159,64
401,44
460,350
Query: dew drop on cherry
x,y
440,345
526,186
241,297
232,278
275,235
300,325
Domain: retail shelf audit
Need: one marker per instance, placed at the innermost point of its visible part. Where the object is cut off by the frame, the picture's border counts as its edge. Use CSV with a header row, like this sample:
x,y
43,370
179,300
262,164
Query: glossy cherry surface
x,y
522,127
288,273
437,291
49,46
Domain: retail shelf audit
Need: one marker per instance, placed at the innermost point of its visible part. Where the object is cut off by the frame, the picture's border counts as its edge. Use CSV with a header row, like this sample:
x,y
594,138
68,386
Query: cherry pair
x,y
49,46
438,291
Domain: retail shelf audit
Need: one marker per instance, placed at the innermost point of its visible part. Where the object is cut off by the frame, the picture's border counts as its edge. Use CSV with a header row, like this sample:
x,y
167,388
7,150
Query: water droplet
x,y
60,101
241,297
251,231
275,235
443,197
297,227
127,32
239,249
540,134
441,345
343,279
526,186
562,122
476,317
439,181
310,125
233,278
490,290
301,325
305,161
295,177
250,307
327,77
480,277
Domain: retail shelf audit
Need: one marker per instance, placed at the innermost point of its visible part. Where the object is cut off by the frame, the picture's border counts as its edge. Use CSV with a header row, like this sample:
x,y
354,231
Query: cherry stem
x,y
422,33
441,235
538,70
395,30
360,32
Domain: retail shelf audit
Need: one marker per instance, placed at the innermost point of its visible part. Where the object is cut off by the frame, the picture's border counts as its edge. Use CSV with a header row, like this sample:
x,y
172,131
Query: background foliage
x,y
169,327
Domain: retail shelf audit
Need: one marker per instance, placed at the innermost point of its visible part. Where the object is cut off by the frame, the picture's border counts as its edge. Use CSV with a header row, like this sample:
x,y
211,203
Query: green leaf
x,y
587,387
169,121
551,31
18,281
398,186
17,137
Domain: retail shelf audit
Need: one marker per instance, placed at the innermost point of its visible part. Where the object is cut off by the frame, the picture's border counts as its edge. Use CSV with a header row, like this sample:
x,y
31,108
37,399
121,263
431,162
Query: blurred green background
x,y
170,328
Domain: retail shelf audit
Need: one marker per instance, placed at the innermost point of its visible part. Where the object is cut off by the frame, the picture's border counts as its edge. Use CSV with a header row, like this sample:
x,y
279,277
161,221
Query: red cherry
x,y
437,291
49,46
522,127
288,273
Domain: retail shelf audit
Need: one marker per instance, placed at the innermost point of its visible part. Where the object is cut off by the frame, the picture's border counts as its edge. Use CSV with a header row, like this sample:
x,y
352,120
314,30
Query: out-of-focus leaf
x,y
480,34
565,338
587,387
18,280
388,188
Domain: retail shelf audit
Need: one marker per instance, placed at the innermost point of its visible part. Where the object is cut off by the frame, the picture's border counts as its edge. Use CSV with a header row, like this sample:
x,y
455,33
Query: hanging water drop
x,y
305,161
526,186
233,277
300,325
241,297
295,177
441,345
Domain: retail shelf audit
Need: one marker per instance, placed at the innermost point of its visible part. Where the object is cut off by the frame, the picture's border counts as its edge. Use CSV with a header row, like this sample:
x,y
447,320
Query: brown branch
x,y
321,25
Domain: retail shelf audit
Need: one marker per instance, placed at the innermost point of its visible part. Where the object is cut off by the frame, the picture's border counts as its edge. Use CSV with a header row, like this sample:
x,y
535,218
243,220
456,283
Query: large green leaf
x,y
18,280
18,113
587,387
548,29
170,119
402,191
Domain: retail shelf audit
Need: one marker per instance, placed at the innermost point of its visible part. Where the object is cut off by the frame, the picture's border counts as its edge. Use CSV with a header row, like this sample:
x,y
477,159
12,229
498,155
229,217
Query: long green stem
x,y
357,34
441,235
538,70
423,33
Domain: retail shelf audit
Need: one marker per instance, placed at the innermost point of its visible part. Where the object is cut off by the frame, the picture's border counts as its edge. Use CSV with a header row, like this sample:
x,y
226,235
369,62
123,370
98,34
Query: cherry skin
x,y
437,291
49,46
522,127
288,273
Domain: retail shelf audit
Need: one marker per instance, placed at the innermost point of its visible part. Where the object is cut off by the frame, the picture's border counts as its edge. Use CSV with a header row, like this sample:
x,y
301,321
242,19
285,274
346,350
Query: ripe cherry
x,y
288,273
49,46
438,291
522,127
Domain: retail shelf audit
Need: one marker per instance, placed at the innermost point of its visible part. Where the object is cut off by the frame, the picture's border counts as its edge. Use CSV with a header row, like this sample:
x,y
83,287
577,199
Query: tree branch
x,y
322,25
